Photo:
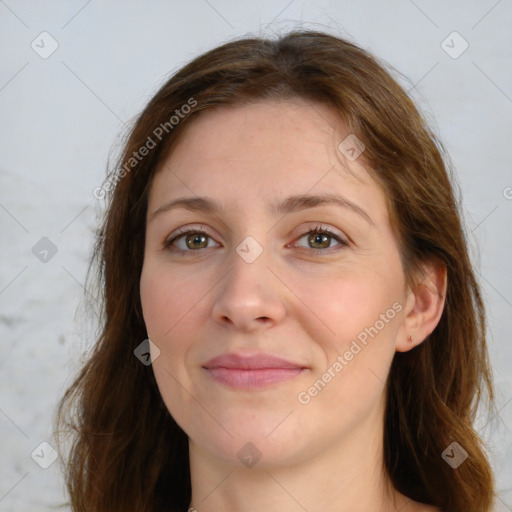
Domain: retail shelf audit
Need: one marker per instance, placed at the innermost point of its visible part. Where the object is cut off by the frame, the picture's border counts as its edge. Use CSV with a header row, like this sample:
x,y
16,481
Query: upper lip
x,y
250,362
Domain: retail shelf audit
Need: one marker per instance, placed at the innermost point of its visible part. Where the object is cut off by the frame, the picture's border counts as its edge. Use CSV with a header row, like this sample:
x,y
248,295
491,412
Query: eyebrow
x,y
289,205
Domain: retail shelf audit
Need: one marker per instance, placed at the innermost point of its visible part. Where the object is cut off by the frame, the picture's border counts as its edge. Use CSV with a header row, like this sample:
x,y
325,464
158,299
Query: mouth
x,y
251,372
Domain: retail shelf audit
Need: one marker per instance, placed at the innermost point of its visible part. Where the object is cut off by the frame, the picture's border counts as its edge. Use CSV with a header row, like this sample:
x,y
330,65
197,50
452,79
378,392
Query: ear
x,y
423,306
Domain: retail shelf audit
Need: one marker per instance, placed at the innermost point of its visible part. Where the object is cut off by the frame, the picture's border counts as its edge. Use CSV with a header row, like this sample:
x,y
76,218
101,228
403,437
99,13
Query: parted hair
x,y
126,453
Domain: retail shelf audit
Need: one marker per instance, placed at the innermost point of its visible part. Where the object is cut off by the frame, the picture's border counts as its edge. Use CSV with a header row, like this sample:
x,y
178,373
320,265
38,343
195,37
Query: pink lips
x,y
250,372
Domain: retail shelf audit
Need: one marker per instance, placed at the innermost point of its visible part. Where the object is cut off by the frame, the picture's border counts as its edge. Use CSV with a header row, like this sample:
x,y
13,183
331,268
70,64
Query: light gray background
x,y
60,117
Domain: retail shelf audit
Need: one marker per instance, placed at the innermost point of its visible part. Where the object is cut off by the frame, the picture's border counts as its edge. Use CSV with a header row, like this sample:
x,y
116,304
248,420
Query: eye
x,y
193,240
320,239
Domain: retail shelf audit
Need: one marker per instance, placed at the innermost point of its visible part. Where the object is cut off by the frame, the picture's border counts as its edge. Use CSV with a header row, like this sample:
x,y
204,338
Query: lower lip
x,y
252,379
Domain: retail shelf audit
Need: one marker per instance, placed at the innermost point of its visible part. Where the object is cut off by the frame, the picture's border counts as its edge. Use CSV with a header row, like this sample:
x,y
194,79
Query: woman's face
x,y
331,303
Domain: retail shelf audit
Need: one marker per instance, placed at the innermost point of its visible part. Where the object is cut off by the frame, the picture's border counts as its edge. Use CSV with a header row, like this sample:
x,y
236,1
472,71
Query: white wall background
x,y
61,115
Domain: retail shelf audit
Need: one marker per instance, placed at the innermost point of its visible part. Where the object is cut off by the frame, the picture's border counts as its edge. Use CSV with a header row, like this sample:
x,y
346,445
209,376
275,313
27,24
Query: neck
x,y
347,477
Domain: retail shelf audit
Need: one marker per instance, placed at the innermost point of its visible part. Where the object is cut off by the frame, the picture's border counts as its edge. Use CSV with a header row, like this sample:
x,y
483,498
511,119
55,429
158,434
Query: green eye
x,y
197,239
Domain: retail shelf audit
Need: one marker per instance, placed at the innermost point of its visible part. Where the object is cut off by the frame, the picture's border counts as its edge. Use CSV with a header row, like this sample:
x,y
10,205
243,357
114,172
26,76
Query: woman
x,y
291,319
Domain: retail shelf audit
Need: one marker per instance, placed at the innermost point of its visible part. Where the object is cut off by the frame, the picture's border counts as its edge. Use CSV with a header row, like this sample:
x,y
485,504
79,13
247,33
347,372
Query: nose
x,y
251,296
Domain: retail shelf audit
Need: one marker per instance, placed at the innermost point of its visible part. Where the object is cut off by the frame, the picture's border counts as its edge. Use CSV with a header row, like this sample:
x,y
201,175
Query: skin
x,y
292,301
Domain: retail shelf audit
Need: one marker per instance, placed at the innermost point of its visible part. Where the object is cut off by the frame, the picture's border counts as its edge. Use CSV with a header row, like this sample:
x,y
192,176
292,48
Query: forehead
x,y
264,150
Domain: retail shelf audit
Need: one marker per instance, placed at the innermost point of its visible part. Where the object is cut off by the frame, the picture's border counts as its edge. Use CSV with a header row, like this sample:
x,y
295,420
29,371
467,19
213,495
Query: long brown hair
x,y
126,452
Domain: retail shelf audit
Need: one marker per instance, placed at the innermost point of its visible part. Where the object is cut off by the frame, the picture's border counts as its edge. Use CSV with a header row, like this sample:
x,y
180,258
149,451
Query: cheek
x,y
167,299
360,313
154,298
167,305
173,310
347,303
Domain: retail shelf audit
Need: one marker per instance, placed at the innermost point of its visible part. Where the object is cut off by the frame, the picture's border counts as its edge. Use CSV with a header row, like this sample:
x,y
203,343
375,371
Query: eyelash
x,y
199,231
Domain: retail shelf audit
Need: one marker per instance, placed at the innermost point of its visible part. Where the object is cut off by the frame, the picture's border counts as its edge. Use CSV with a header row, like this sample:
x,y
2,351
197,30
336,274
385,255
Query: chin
x,y
253,442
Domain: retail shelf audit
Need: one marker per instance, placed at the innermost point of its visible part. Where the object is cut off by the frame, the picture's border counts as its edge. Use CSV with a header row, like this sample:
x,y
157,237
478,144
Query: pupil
x,y
317,238
196,239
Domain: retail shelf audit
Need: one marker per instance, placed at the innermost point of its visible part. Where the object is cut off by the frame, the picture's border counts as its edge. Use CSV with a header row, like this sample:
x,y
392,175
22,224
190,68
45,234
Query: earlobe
x,y
425,307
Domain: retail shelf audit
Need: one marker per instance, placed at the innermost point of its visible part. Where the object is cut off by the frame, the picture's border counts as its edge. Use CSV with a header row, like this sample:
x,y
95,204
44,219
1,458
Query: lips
x,y
254,362
251,371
